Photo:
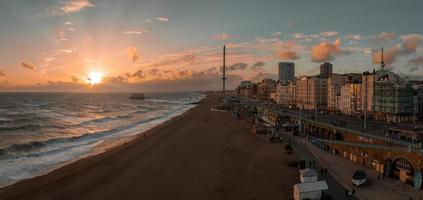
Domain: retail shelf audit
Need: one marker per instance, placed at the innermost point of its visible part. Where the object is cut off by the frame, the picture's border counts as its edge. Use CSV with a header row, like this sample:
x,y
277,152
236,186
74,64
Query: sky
x,y
176,45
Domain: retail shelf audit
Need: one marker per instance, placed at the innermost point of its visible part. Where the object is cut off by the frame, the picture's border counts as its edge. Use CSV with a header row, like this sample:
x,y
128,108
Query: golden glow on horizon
x,y
94,78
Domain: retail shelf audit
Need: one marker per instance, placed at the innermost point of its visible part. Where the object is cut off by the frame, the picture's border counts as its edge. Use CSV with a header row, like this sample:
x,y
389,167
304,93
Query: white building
x,y
351,102
335,82
308,175
311,190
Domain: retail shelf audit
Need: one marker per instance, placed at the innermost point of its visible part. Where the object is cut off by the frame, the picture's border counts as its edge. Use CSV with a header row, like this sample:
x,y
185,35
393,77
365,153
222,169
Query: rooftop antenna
x,y
382,64
224,71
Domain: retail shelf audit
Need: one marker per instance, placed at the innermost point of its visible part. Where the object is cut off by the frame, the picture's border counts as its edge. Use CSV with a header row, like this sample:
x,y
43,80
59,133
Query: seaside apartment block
x,y
394,150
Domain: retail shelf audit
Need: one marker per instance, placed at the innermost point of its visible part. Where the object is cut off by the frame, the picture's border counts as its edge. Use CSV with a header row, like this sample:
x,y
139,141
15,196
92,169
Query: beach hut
x,y
308,175
312,190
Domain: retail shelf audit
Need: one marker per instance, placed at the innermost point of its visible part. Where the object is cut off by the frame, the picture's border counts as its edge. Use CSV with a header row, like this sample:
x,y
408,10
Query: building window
x,y
403,164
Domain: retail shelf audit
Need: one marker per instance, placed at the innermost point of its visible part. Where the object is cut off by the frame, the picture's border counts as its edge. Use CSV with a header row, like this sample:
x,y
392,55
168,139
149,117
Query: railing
x,y
373,146
343,129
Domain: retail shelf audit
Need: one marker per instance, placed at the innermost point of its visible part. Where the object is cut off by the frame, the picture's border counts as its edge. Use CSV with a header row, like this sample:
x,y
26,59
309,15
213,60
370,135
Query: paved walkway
x,y
342,169
336,190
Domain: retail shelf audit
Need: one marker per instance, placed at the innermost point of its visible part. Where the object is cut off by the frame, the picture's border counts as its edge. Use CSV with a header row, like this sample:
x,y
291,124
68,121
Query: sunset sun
x,y
94,78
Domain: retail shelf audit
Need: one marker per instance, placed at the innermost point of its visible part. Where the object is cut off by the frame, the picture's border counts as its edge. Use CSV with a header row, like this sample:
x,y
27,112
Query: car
x,y
359,177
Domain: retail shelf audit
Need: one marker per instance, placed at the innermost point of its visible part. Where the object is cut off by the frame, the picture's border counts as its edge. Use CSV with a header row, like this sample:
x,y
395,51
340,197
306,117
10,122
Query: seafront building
x,y
351,98
265,88
367,80
326,68
286,72
380,95
286,93
391,150
393,98
312,92
247,89
335,82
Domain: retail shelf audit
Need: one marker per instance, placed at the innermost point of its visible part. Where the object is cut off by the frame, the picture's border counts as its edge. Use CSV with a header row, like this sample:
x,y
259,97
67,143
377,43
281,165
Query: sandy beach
x,y
198,155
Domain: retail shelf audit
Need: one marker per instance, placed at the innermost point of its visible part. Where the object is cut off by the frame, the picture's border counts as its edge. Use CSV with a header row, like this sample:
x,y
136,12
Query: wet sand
x,y
198,155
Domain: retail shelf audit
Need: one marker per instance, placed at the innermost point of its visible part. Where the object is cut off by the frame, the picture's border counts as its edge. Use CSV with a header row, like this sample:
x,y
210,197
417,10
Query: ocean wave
x,y
23,160
15,150
2,120
20,127
106,119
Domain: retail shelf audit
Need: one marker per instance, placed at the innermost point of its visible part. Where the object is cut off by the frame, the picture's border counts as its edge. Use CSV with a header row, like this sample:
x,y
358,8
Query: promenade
x,y
342,169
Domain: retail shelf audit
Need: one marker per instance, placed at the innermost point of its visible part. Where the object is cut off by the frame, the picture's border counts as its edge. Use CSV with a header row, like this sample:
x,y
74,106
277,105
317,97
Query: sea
x,y
40,132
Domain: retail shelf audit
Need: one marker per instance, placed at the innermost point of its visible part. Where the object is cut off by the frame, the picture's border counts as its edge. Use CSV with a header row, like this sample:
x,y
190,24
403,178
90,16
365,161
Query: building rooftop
x,y
308,172
312,186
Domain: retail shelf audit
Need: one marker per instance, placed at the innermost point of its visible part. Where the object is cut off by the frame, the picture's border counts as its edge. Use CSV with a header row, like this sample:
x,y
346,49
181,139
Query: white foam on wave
x,y
54,156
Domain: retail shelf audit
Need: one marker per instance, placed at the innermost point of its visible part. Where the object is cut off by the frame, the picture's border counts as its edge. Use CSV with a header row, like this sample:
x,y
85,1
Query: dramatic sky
x,y
176,45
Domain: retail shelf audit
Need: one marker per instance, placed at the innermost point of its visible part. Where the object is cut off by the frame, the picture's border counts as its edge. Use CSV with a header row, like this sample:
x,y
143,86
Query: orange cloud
x,y
224,36
2,73
74,79
409,44
73,6
27,65
288,50
326,51
389,56
133,53
288,55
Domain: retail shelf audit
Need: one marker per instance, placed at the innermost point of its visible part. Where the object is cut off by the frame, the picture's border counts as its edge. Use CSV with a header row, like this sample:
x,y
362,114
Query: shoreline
x,y
111,162
103,147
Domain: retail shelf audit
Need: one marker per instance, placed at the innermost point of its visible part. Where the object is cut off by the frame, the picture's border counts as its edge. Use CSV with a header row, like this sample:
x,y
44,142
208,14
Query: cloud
x,y
304,37
157,74
138,75
71,6
389,55
162,19
49,59
288,55
288,50
383,37
133,53
63,51
353,37
329,34
262,75
275,34
224,36
258,65
27,65
326,51
409,44
134,32
415,63
92,61
236,66
2,73
74,79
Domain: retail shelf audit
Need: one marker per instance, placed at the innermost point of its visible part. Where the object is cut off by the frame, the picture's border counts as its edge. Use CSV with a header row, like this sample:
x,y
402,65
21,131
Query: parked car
x,y
359,177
